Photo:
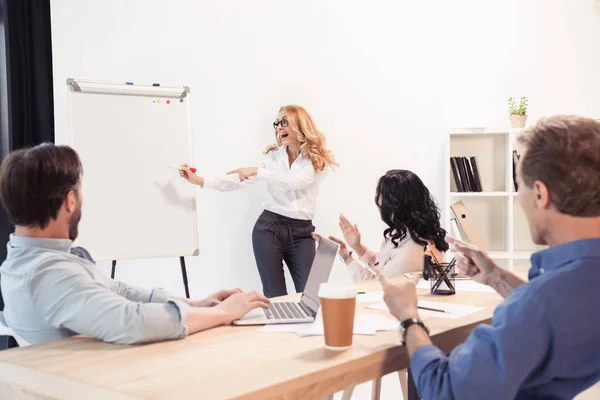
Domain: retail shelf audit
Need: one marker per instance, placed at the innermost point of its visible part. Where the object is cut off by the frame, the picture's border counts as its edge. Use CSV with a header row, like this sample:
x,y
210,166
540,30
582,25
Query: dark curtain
x,y
30,94
29,59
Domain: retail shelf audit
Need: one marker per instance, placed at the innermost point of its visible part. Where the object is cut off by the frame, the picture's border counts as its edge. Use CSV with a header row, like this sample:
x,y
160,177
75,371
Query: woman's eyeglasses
x,y
283,122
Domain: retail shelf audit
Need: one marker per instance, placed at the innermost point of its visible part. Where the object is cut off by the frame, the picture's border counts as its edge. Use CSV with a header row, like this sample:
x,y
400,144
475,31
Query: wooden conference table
x,y
224,363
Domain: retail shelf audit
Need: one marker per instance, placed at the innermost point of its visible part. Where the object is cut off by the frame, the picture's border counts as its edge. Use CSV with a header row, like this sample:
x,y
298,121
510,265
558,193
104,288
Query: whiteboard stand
x,y
183,274
143,128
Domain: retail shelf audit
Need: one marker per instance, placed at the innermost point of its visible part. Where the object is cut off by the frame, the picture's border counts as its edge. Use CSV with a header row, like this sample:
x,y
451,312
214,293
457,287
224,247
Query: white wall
x,y
384,80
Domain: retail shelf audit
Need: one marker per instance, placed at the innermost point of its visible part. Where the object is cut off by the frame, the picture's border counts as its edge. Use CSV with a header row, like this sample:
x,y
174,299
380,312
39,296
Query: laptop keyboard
x,y
285,310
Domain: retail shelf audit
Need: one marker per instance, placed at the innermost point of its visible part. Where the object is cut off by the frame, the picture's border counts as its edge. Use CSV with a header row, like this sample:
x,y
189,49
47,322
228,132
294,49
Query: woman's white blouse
x,y
292,190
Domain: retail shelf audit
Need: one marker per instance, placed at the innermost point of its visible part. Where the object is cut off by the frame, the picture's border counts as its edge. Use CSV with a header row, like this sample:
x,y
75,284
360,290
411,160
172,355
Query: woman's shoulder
x,y
406,257
273,153
274,149
406,244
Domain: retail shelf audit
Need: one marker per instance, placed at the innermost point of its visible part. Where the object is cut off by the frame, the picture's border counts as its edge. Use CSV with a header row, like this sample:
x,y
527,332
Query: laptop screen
x,y
319,272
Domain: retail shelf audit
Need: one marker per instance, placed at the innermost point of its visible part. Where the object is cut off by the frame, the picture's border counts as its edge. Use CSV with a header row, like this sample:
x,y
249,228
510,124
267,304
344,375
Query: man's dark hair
x,y
34,183
563,152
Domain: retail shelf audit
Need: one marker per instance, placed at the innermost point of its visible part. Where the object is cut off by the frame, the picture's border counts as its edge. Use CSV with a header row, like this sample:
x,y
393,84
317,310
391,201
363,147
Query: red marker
x,y
179,169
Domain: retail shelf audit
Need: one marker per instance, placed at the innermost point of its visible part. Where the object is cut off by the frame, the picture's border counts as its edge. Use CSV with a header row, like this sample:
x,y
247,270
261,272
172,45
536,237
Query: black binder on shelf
x,y
466,174
463,174
456,174
470,174
516,158
478,184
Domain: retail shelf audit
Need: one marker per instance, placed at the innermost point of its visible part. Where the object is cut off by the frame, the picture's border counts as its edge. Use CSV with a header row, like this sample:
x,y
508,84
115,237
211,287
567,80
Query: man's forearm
x,y
415,338
504,282
208,302
430,366
191,303
200,319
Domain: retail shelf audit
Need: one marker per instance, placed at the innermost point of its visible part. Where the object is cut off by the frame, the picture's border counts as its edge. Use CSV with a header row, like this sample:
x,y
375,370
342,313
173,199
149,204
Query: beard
x,y
74,224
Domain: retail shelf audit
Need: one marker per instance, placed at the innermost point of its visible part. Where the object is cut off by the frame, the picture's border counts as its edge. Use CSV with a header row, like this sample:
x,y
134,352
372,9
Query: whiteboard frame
x,y
118,88
107,87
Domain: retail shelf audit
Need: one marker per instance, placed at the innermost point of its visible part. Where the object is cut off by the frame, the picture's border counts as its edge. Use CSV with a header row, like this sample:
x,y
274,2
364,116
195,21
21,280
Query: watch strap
x,y
407,323
346,256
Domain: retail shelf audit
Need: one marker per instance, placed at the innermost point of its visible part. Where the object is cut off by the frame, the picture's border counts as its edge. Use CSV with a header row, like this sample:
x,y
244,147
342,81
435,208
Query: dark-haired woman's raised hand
x,y
352,235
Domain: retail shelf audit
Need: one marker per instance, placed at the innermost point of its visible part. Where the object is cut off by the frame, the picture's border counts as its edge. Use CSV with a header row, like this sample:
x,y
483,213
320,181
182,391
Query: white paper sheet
x,y
364,324
451,311
369,297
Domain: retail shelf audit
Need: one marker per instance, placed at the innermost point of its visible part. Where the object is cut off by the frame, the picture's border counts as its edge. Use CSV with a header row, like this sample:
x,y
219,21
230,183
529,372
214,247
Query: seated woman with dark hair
x,y
413,221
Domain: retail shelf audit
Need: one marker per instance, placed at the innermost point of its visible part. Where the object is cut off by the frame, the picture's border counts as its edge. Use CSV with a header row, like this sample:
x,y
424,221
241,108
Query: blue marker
x,y
129,83
181,100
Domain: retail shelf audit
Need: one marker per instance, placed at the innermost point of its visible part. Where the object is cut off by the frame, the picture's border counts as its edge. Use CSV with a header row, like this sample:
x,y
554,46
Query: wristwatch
x,y
408,322
345,256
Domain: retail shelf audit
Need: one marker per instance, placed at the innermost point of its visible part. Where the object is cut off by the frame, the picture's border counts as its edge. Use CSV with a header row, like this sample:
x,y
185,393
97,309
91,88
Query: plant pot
x,y
518,121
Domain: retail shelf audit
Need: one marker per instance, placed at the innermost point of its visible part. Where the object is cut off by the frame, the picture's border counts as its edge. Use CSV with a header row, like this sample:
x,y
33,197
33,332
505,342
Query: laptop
x,y
290,312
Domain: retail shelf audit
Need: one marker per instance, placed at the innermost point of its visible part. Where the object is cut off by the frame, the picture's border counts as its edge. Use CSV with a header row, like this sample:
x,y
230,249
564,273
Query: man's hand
x,y
239,304
473,262
244,173
401,296
479,266
216,298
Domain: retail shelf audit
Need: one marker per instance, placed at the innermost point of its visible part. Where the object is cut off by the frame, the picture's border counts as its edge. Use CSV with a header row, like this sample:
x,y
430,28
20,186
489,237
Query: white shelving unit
x,y
495,210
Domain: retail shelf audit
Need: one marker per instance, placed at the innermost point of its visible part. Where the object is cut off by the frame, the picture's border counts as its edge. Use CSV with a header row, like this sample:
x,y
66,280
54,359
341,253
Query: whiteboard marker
x,y
179,169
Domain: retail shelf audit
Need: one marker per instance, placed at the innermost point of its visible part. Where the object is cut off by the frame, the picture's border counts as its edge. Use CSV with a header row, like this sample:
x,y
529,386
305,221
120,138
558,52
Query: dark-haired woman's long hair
x,y
407,207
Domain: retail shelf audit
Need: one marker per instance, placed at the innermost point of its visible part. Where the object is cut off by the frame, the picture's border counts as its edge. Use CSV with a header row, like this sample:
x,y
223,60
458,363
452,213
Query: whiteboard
x,y
134,206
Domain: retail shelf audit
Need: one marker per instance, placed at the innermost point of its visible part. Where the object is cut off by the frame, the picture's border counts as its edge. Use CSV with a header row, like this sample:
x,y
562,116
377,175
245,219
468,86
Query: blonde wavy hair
x,y
312,141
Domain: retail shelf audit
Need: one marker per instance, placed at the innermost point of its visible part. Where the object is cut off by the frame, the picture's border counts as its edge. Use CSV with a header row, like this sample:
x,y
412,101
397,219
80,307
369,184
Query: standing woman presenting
x,y
293,169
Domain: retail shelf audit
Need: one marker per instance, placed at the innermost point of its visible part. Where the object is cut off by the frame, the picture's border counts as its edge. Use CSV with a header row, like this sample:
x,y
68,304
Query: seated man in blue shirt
x,y
544,340
52,291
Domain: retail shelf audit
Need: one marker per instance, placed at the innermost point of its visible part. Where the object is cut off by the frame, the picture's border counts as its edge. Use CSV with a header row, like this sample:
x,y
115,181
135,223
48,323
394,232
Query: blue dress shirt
x,y
543,343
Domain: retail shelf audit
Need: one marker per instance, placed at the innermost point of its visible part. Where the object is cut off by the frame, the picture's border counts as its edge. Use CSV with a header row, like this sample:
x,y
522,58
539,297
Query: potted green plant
x,y
518,115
